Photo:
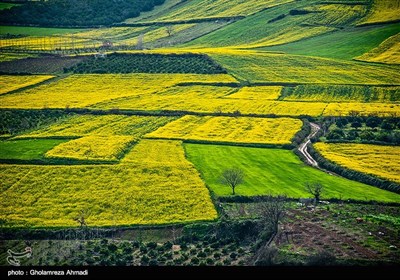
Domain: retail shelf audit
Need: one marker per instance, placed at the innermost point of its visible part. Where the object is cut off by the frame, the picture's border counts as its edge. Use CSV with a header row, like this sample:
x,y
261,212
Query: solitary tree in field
x,y
232,177
81,217
139,43
315,189
170,30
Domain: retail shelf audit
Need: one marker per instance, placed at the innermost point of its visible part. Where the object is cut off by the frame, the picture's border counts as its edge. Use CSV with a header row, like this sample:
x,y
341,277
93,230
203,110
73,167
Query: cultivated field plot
x,y
28,149
156,185
212,99
263,67
230,130
93,148
78,126
38,65
258,93
382,11
387,52
10,83
343,44
274,172
381,161
340,93
157,152
365,109
83,90
211,8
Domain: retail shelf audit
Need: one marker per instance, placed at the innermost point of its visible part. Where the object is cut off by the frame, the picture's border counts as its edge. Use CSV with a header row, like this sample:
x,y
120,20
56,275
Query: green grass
x,y
4,6
251,28
345,44
35,31
27,149
274,172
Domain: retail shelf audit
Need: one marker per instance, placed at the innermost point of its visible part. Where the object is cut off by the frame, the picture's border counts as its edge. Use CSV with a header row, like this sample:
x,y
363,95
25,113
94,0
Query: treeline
x,y
76,12
15,121
148,63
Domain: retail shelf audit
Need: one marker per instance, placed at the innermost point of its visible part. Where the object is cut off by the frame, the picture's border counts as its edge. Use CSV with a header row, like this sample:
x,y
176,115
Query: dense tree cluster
x,y
76,12
148,63
365,129
14,121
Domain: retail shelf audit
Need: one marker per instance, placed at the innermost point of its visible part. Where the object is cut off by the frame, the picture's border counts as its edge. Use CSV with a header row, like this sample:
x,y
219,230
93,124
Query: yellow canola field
x,y
211,99
364,109
9,83
335,14
387,52
157,152
78,91
113,195
258,93
382,161
230,130
383,11
84,125
110,148
218,8
342,93
289,35
268,67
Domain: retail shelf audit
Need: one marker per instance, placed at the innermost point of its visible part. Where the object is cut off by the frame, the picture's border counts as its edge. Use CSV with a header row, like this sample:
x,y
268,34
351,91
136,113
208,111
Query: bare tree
x,y
232,177
316,190
170,30
81,217
139,44
271,214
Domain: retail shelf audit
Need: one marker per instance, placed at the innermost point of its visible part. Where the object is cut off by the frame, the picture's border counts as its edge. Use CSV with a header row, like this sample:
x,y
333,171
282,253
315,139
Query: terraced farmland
x,y
78,91
93,148
230,130
273,172
382,161
11,83
125,128
78,126
176,195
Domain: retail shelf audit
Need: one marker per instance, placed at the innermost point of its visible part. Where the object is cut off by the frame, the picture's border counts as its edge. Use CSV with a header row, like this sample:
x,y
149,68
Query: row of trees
x,y
148,63
76,12
14,121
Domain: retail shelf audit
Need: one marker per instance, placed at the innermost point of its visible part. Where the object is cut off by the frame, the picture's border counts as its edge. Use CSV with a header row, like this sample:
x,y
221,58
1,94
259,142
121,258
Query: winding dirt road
x,y
303,146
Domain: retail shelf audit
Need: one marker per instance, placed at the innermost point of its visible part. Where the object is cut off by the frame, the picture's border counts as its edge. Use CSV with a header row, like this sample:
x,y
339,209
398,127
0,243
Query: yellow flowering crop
x,y
9,83
230,129
93,148
380,109
258,93
382,161
114,195
383,11
78,91
220,8
83,125
387,52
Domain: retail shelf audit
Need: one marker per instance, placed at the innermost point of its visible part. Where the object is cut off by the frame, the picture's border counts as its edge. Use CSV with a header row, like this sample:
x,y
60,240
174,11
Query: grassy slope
x,y
250,29
36,31
27,149
387,52
272,171
345,44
